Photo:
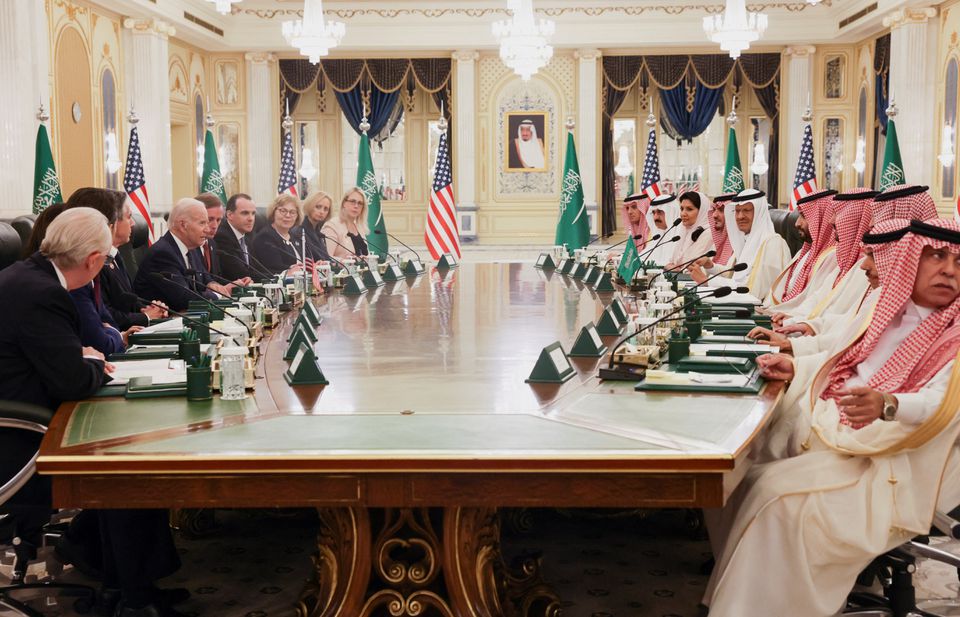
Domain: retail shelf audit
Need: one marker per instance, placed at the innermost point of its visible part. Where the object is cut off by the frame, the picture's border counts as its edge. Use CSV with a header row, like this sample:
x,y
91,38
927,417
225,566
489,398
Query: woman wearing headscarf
x,y
814,268
695,239
875,437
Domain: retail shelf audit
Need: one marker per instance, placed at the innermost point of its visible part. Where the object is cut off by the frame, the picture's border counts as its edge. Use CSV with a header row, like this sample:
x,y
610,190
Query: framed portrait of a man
x,y
525,142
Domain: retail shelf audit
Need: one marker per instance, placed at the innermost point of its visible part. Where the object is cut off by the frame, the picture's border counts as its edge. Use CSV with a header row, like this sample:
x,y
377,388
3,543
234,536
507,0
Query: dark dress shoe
x,y
150,610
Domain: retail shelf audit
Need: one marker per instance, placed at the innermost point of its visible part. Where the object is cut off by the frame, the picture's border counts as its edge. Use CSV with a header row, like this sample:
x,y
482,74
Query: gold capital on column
x,y
259,57
469,55
800,50
902,17
149,26
587,54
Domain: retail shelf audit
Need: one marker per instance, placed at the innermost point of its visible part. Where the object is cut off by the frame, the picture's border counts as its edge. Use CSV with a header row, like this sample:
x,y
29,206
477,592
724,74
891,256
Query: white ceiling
x,y
404,26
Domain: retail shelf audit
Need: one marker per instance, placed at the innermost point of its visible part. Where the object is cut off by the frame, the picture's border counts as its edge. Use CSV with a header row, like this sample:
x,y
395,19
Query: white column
x,y
262,121
146,55
465,141
798,91
913,41
25,73
588,94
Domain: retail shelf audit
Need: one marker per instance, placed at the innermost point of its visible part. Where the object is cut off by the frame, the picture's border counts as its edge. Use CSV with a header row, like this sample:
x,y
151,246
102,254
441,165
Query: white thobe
x,y
825,307
820,281
770,260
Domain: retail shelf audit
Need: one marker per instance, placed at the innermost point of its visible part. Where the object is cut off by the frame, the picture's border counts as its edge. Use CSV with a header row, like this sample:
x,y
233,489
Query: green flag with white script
x,y
46,184
367,181
891,174
629,262
210,180
573,227
733,172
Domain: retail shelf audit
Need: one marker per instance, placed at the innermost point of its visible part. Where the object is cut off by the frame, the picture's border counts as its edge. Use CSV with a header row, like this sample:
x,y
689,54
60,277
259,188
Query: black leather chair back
x,y
260,223
24,226
10,245
785,223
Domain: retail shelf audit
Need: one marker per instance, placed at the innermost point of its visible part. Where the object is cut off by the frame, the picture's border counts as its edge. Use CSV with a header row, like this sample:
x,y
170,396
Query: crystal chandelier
x,y
759,165
623,168
312,35
223,6
523,42
736,28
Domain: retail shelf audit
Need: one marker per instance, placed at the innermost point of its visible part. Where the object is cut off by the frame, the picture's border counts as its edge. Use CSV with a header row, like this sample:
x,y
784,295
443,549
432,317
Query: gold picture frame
x,y
514,152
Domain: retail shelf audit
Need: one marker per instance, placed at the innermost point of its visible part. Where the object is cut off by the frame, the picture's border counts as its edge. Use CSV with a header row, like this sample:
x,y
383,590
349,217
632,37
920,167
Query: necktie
x,y
243,249
206,256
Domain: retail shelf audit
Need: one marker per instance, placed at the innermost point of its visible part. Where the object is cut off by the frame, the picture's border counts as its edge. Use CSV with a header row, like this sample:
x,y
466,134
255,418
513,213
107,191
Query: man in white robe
x,y
663,218
881,422
814,266
527,147
755,242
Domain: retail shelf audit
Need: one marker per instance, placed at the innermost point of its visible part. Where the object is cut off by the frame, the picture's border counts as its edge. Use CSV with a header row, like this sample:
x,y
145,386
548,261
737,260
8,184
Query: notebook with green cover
x,y
727,363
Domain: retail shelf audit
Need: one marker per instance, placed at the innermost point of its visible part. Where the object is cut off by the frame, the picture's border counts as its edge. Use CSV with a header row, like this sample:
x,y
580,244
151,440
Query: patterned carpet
x,y
602,564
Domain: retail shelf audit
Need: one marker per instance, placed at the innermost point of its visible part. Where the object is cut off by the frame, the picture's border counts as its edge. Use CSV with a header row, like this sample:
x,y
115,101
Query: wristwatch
x,y
889,412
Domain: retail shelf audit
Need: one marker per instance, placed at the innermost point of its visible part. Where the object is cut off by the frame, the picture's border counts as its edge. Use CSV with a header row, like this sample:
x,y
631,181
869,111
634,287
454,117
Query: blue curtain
x,y
683,124
882,81
382,106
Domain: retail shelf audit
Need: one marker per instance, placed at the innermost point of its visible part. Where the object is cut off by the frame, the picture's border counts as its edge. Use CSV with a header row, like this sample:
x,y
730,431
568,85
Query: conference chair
x,y
260,222
10,245
785,224
894,571
23,525
134,251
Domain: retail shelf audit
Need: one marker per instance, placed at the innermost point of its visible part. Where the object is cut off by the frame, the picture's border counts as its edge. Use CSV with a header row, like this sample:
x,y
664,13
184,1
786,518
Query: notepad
x,y
161,371
701,349
684,379
171,325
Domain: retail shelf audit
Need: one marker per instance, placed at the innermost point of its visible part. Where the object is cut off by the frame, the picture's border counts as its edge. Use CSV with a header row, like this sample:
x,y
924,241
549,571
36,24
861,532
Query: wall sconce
x,y
759,166
113,155
307,170
623,168
946,156
860,162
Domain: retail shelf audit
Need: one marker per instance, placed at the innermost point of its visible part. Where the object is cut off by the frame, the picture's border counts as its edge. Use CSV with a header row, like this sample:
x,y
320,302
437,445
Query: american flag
x,y
288,172
442,234
135,184
805,182
650,183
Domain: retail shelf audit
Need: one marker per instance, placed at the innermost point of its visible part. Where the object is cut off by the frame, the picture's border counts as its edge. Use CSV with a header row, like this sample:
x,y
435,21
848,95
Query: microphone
x,y
166,276
740,267
262,270
696,234
717,293
663,235
402,243
334,240
226,281
381,249
659,242
129,297
680,267
636,237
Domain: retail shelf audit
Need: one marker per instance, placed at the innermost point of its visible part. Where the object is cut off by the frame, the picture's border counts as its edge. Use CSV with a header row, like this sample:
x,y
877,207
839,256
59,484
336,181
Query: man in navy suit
x,y
234,238
172,266
209,252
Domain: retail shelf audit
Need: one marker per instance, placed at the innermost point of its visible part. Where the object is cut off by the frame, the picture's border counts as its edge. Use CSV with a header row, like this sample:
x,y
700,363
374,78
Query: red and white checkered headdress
x,y
721,241
641,229
819,210
904,201
931,344
883,241
854,217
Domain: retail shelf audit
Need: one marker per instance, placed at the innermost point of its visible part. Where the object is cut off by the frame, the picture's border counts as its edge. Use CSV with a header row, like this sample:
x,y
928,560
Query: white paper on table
x,y
173,325
701,349
159,370
163,348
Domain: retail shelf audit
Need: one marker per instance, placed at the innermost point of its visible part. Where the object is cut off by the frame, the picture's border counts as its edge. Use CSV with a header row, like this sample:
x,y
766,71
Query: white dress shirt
x,y
183,251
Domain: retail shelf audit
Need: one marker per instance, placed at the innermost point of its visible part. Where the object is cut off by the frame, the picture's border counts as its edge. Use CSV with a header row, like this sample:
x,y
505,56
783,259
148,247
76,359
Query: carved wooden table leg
x,y
432,562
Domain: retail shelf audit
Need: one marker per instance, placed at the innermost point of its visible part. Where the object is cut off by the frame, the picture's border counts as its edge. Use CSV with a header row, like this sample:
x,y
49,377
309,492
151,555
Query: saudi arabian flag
x,y
46,184
367,181
891,174
211,181
733,173
629,262
573,227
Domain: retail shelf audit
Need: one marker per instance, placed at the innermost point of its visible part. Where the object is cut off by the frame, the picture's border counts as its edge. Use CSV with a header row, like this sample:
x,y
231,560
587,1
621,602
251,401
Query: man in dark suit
x,y
234,237
172,266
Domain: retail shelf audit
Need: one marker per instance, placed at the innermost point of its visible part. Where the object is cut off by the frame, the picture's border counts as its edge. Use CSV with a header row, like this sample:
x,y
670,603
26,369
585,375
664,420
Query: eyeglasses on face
x,y
286,212
356,202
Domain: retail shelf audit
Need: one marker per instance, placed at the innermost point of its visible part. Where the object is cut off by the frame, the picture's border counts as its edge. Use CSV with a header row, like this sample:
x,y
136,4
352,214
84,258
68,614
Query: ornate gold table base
x,y
443,562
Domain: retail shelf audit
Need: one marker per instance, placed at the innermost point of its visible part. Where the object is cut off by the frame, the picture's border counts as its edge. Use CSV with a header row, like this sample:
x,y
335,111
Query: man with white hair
x,y
172,270
526,151
755,242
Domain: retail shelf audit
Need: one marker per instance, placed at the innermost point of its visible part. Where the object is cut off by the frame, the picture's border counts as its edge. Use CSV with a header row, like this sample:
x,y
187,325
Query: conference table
x,y
425,432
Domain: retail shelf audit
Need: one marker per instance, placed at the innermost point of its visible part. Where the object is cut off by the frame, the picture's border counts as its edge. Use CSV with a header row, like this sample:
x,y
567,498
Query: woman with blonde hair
x,y
275,247
346,231
317,208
